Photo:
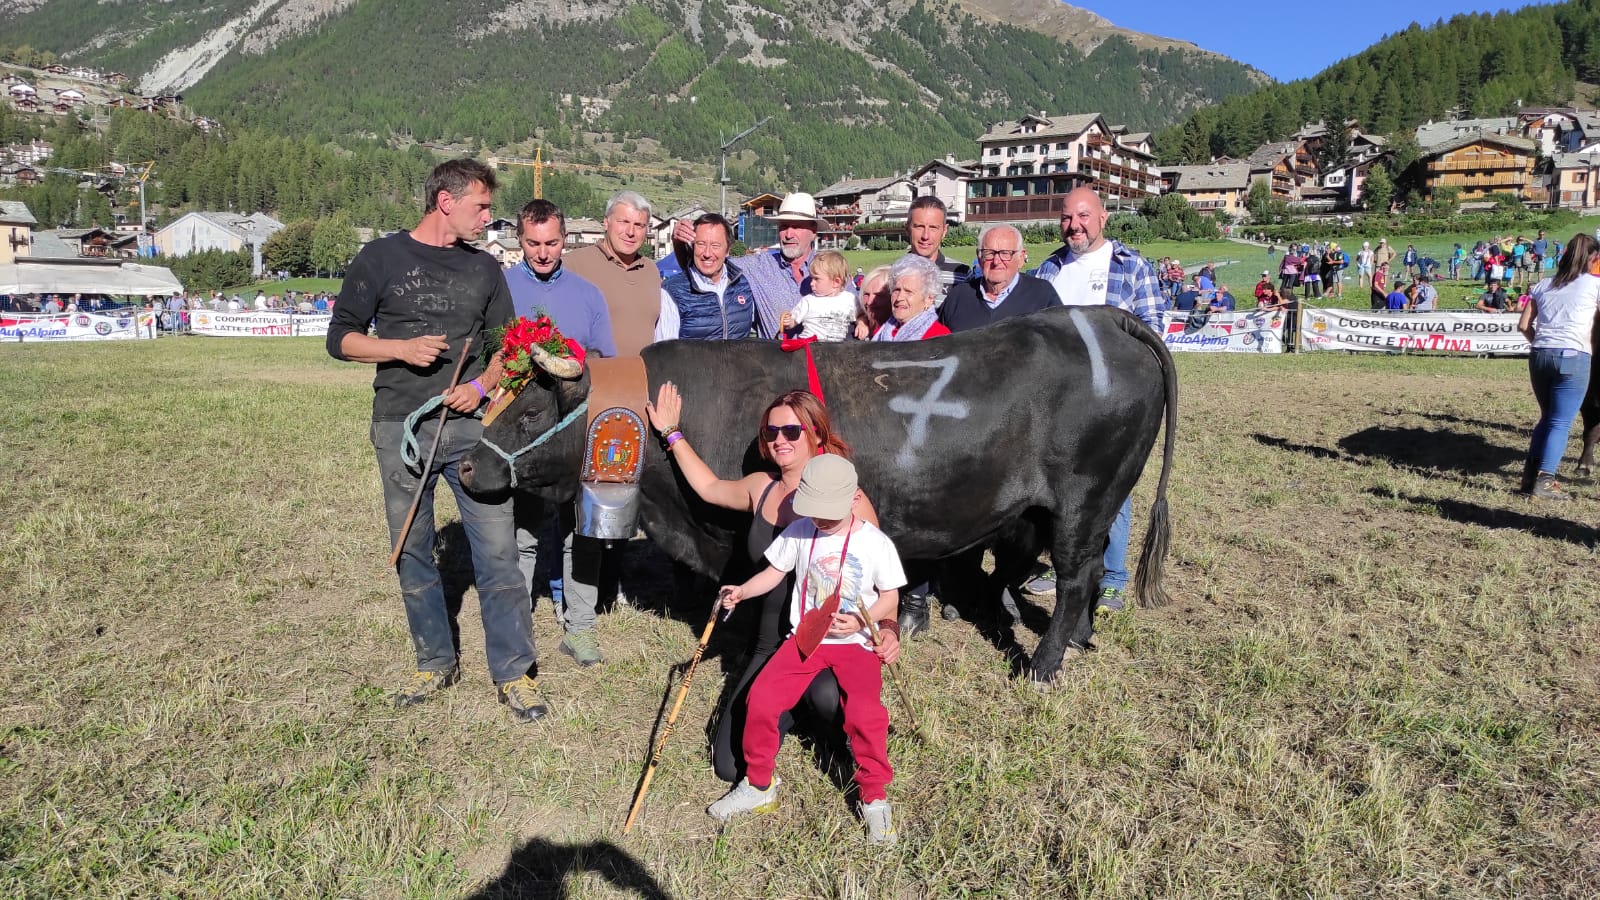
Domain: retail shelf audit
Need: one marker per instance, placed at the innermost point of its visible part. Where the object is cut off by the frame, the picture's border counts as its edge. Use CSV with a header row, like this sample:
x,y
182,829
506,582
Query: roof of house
x,y
1512,141
1049,126
50,245
857,186
1270,154
15,212
584,226
245,228
1136,137
1432,134
967,167
1576,160
1231,176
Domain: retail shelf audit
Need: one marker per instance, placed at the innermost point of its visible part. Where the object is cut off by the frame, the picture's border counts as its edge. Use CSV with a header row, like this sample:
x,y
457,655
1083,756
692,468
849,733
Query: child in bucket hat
x,y
846,569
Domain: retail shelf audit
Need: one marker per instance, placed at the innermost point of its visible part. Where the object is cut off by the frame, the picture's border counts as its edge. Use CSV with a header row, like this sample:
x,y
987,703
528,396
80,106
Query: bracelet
x,y
673,437
481,392
666,431
889,625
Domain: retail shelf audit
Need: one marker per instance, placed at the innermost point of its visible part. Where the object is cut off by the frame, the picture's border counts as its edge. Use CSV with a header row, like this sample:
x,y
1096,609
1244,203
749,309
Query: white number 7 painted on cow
x,y
928,406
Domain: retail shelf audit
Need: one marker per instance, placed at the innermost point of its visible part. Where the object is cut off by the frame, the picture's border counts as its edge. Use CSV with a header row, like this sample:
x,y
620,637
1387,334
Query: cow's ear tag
x,y
499,401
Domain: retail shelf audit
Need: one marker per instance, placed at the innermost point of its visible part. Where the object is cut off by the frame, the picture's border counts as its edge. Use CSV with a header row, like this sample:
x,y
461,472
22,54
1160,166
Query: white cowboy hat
x,y
797,207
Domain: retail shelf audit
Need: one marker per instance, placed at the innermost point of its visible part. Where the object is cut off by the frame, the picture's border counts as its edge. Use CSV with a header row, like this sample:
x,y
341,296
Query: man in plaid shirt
x,y
1089,270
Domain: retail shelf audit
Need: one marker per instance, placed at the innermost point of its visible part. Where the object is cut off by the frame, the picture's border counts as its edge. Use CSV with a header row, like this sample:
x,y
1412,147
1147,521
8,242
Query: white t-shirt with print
x,y
873,566
1082,280
826,318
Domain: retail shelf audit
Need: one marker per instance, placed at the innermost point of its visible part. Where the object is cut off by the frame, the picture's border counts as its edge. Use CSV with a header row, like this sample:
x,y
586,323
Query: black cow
x,y
1045,419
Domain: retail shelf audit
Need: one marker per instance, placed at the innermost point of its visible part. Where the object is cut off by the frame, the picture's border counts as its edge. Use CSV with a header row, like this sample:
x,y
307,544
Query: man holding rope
x,y
427,293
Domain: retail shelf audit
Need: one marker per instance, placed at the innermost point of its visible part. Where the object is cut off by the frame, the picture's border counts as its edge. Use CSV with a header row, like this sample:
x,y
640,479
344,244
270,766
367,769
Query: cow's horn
x,y
560,366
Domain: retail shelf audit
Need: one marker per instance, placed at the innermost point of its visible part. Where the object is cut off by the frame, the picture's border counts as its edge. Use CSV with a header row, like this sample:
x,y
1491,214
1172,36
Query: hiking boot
x,y
880,822
1044,584
1545,487
913,616
424,685
1110,600
583,646
745,799
522,697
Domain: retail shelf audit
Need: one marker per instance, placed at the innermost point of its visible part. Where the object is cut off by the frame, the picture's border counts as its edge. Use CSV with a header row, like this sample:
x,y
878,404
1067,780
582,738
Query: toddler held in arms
x,y
847,570
828,313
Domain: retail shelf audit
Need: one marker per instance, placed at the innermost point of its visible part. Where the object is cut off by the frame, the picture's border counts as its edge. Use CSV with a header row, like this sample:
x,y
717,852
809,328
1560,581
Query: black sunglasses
x,y
769,433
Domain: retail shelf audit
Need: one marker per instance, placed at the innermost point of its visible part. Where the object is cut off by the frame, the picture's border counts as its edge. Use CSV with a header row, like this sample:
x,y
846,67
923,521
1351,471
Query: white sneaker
x,y
880,822
745,799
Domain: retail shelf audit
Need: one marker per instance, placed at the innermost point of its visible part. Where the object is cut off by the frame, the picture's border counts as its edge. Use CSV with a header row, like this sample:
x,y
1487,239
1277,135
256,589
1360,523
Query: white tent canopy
x,y
62,277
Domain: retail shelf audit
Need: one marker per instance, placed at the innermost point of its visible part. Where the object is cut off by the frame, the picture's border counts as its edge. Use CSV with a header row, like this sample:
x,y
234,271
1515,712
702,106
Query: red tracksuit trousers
x,y
779,687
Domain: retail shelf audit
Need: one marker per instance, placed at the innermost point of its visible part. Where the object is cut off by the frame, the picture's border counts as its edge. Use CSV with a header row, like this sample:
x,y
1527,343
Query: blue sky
x,y
1251,31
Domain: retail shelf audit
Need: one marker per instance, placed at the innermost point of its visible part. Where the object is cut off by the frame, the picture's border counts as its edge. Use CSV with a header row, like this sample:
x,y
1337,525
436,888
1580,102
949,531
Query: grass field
x,y
279,288
1378,677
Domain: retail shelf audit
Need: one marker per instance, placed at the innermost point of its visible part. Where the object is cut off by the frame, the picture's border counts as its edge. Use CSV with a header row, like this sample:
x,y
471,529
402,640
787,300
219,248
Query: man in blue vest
x,y
712,301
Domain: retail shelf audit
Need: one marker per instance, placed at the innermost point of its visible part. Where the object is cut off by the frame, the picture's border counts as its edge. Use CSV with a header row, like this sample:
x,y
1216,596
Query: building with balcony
x,y
947,180
1480,165
16,230
855,201
1024,167
1213,188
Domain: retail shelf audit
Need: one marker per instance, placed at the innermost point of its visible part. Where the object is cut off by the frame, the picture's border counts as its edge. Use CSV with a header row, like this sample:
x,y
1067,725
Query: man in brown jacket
x,y
626,276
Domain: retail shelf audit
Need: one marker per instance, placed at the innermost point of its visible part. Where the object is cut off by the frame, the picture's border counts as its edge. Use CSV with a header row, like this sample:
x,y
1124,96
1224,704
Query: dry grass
x,y
1378,676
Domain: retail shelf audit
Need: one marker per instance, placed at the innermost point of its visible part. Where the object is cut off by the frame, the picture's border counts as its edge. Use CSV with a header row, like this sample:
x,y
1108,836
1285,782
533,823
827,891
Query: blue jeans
x,y
1116,558
1560,380
502,597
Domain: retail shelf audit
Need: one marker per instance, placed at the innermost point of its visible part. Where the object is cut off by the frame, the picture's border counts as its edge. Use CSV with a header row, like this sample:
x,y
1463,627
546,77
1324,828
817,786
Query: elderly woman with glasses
x,y
794,429
913,289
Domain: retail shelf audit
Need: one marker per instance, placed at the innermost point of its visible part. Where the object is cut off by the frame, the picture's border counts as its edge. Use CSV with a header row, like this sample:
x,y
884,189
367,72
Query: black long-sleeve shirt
x,y
405,289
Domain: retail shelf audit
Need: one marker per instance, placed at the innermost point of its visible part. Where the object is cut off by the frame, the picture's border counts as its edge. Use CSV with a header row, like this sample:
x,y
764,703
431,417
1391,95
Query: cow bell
x,y
608,489
607,510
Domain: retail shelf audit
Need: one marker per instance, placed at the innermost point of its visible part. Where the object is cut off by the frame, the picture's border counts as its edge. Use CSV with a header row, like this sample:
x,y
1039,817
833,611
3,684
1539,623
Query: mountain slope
x,y
864,87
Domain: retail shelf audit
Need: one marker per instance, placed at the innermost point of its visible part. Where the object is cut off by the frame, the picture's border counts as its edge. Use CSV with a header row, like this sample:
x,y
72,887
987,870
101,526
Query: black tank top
x,y
762,532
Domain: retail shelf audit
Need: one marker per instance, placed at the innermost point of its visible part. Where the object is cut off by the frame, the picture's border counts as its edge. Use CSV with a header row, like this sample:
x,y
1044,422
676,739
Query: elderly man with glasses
x,y
1002,291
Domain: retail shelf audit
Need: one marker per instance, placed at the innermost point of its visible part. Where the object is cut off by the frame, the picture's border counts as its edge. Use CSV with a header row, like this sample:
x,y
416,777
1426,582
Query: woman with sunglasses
x,y
794,429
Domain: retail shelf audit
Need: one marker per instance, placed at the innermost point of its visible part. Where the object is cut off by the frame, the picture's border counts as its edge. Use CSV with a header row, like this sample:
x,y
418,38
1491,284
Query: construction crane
x,y
538,165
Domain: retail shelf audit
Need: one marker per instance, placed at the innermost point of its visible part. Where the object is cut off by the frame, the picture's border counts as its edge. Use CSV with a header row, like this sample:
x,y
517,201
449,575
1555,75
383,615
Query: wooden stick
x,y
894,676
672,718
427,466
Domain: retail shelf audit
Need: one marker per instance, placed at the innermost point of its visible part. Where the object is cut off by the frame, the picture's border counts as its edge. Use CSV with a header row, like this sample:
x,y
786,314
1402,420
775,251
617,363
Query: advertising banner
x,y
1253,331
117,325
257,324
1466,333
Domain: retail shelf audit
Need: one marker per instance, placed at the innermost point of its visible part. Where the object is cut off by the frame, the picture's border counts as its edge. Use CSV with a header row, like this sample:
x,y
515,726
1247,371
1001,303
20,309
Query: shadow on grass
x,y
1521,431
1420,450
1542,526
538,870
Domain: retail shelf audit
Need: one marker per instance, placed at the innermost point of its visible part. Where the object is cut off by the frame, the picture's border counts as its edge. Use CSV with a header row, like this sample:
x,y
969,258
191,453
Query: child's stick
x,y
894,676
672,718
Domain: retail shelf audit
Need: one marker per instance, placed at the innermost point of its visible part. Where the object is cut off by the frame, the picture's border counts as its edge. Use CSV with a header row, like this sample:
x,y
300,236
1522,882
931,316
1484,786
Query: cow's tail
x,y
1153,560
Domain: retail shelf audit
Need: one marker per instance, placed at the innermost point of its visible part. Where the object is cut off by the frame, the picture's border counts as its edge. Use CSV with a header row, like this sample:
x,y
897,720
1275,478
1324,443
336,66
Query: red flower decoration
x,y
516,348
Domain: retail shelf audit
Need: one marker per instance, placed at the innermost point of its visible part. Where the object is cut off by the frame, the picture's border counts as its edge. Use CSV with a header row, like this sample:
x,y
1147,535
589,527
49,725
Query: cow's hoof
x,y
1051,676
1584,471
950,613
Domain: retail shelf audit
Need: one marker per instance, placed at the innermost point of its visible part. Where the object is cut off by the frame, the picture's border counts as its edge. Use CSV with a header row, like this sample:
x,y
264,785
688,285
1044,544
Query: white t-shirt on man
x,y
1082,280
873,566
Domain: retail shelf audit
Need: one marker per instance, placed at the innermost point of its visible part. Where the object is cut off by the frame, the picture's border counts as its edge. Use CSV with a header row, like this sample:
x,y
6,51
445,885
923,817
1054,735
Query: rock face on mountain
x,y
880,84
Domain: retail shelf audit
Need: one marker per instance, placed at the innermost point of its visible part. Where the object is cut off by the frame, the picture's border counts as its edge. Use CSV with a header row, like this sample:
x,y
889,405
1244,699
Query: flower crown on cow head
x,y
528,345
